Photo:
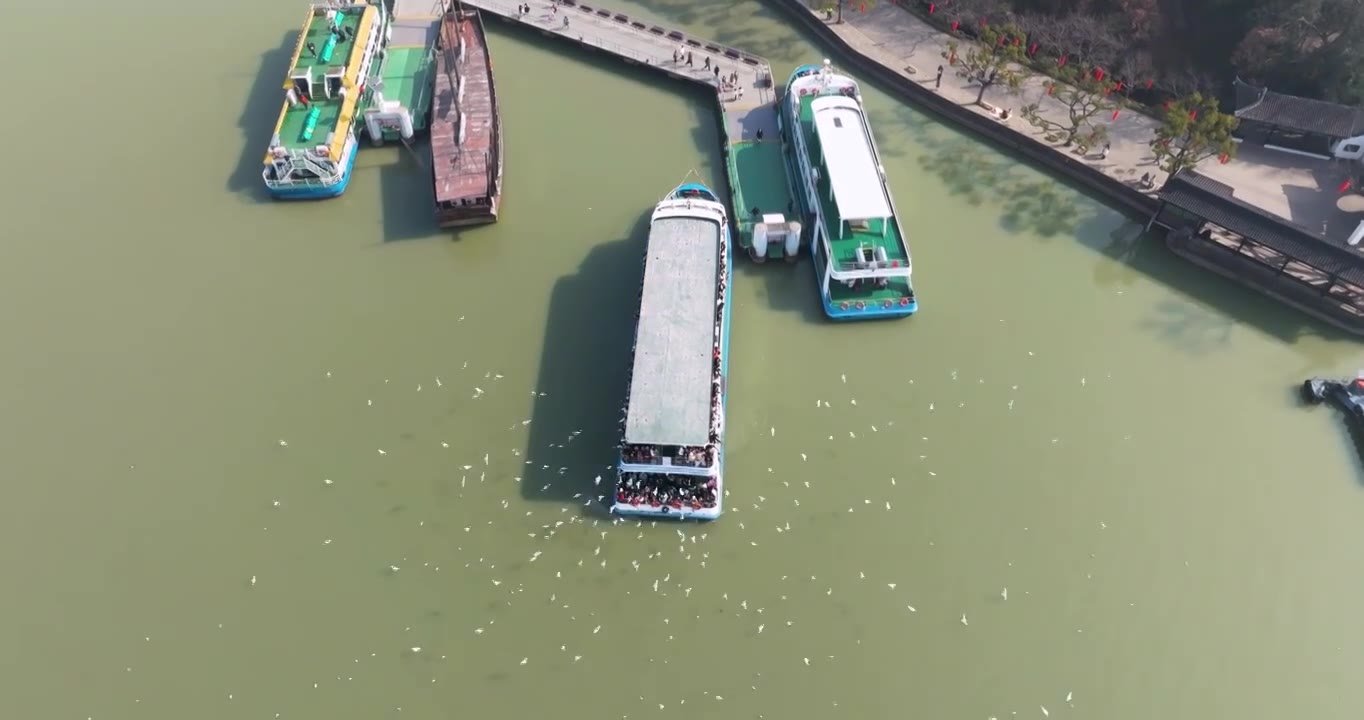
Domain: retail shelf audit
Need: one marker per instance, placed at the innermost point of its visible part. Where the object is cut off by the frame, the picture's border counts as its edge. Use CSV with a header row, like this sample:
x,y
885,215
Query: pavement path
x,y
903,42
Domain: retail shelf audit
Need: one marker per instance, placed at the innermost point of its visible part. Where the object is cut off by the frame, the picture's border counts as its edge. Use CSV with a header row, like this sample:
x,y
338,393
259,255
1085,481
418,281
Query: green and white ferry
x,y
860,254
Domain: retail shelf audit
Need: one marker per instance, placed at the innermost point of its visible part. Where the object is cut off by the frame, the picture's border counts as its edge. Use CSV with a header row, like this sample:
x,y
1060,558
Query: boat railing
x,y
495,144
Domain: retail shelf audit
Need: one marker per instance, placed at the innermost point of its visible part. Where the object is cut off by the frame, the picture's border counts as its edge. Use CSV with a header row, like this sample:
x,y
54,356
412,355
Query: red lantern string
x,y
1115,114
1343,186
1061,61
1223,158
955,25
1193,114
1098,73
932,7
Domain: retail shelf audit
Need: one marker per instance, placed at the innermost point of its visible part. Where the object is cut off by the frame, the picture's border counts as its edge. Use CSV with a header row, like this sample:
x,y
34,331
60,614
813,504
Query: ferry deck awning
x,y
670,385
849,159
1214,202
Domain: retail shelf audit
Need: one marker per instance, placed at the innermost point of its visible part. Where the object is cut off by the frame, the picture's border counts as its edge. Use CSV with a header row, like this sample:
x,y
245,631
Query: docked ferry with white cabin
x,y
672,445
861,257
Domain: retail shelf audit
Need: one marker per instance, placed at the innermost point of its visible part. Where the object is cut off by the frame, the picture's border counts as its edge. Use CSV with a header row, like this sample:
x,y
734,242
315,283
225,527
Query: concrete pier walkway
x,y
744,88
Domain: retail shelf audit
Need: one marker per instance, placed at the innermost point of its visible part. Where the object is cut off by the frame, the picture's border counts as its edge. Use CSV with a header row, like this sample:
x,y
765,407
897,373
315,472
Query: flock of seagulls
x,y
699,547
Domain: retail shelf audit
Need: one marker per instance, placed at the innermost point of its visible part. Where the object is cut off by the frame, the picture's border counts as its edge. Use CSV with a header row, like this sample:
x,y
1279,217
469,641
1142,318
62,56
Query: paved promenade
x,y
646,44
900,40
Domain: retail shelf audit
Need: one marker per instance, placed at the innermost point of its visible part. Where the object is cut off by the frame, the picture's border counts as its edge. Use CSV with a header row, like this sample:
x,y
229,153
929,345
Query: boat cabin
x,y
859,222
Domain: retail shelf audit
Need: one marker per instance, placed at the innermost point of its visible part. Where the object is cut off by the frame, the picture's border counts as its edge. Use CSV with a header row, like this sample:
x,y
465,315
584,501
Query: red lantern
x,y
1051,89
1032,49
1061,61
1118,87
1167,105
1098,73
1223,158
955,24
1343,186
1149,83
932,7
1193,114
1115,114
1018,41
864,7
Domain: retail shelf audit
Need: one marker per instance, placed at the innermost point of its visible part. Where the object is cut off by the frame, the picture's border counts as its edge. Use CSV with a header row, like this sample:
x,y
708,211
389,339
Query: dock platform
x,y
408,63
743,86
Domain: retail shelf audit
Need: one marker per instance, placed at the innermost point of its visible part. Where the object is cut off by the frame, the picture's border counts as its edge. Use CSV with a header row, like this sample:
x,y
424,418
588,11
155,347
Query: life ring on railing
x,y
904,301
843,306
887,304
861,305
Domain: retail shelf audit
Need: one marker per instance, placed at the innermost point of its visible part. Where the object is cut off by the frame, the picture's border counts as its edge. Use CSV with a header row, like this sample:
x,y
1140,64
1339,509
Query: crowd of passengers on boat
x,y
684,455
676,491
669,491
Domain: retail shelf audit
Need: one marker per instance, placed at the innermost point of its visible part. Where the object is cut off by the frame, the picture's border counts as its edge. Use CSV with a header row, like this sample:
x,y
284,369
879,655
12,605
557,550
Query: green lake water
x,y
395,431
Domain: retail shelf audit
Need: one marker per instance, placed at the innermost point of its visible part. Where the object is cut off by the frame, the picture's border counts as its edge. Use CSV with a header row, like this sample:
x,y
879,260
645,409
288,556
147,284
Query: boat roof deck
x,y
849,159
461,168
846,239
670,388
316,32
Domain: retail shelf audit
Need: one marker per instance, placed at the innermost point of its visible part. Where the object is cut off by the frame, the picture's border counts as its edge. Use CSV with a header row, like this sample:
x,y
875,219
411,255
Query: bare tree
x,y
993,58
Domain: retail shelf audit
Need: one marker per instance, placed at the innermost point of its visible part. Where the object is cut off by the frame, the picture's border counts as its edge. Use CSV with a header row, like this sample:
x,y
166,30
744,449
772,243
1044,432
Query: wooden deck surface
x,y
462,169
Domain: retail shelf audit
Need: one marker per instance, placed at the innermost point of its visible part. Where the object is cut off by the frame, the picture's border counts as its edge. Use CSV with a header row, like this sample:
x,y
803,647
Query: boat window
x,y
838,122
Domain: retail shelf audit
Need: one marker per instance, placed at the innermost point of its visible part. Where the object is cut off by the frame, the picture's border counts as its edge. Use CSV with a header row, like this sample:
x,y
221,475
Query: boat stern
x,y
862,310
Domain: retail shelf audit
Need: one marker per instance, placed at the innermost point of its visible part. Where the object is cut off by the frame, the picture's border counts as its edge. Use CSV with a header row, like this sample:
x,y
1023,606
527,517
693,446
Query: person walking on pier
x,y
717,72
707,66
689,63
937,82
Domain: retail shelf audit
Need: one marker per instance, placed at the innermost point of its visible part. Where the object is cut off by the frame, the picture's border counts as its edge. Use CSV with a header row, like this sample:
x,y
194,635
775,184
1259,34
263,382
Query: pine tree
x,y
1082,95
992,58
1194,129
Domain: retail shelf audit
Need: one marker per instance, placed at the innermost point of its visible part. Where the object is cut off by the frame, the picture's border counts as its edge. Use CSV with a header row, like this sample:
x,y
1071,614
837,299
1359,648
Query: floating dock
x,y
744,89
409,58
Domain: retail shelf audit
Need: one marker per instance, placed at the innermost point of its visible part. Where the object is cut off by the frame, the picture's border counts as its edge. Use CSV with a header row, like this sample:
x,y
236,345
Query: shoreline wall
x,y
1128,199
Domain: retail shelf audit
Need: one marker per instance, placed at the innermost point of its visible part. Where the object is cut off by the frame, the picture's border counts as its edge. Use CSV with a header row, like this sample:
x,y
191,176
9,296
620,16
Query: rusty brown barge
x,y
466,127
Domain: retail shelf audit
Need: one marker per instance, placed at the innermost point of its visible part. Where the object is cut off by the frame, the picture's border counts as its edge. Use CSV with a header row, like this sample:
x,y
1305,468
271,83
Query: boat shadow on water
x,y
405,186
584,366
260,110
